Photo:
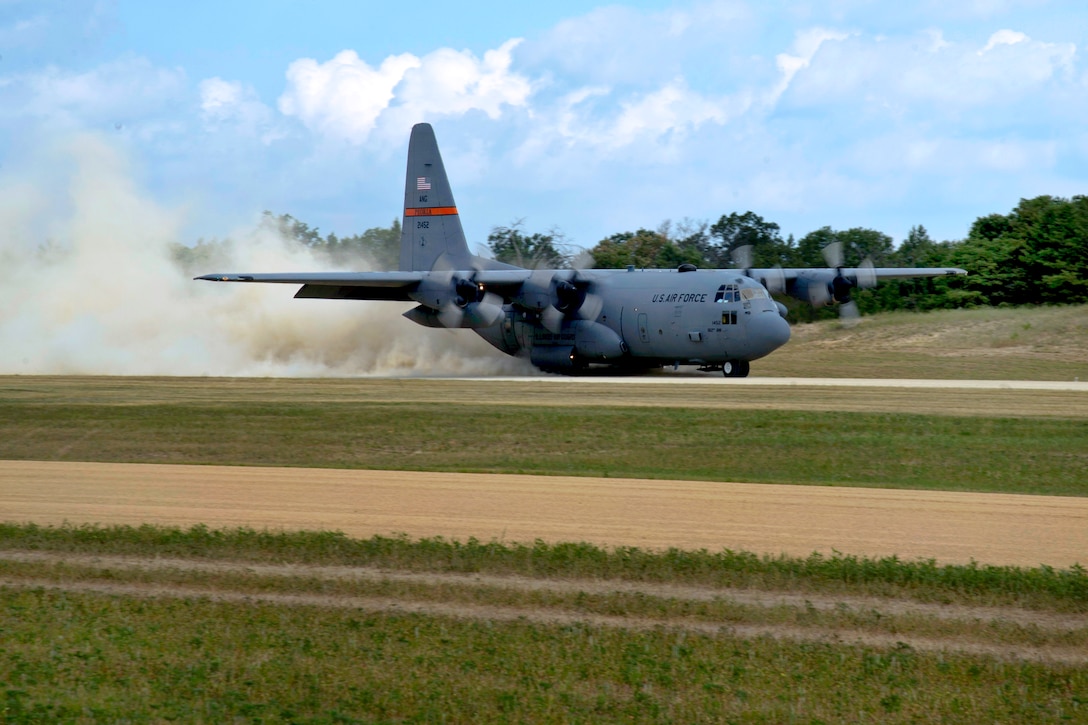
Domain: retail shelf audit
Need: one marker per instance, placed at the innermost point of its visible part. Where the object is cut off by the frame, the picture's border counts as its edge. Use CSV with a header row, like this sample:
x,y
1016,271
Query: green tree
x,y
750,229
809,246
291,229
1036,254
377,248
203,257
919,250
532,251
857,243
1055,251
992,254
642,249
689,242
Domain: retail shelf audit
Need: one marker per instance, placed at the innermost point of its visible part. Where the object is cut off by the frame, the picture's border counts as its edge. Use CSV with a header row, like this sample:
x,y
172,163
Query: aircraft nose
x,y
769,333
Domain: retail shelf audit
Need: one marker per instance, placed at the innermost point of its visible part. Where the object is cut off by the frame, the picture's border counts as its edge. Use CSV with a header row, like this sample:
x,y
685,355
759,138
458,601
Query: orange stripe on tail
x,y
431,211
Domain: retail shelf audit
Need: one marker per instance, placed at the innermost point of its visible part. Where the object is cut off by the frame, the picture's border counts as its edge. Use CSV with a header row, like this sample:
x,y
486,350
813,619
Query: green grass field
x,y
153,625
92,640
87,658
1041,588
968,453
1016,343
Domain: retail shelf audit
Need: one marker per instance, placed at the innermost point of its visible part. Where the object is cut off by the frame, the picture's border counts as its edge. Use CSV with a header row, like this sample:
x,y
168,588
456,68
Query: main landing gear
x,y
735,368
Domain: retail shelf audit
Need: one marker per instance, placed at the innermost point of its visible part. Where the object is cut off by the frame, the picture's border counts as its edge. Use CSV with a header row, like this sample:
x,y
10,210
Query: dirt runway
x,y
947,526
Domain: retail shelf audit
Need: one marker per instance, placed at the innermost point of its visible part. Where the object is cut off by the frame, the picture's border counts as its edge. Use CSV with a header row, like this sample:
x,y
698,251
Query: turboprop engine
x,y
559,296
448,300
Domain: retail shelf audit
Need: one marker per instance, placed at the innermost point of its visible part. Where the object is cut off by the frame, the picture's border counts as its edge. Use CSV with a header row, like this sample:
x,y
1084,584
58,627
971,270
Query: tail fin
x,y
432,228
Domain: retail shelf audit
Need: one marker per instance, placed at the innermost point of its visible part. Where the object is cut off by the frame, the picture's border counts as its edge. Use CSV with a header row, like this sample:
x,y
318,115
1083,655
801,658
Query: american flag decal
x,y
423,183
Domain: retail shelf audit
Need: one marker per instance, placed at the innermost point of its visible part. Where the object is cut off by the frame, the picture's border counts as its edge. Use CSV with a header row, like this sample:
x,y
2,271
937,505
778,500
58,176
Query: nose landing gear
x,y
735,368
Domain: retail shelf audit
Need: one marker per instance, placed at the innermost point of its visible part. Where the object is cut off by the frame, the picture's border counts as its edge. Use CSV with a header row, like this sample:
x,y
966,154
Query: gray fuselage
x,y
654,317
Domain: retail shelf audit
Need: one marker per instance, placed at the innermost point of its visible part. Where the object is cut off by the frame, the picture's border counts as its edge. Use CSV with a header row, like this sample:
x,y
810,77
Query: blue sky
x,y
592,119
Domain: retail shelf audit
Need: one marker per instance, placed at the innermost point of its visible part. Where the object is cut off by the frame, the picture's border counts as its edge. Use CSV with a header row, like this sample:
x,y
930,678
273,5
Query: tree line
x,y
1035,254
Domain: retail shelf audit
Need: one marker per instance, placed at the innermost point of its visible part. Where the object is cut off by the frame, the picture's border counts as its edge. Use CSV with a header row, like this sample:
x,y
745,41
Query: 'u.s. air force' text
x,y
680,297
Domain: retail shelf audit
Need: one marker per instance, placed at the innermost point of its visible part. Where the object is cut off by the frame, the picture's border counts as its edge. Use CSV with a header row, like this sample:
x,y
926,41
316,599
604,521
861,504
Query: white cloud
x,y
617,45
345,97
452,83
673,108
921,154
668,113
39,29
219,98
229,103
112,92
927,73
805,47
1003,37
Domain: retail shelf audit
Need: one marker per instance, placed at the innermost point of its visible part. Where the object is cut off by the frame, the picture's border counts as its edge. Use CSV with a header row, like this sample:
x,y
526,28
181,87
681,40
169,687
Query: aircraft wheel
x,y
735,368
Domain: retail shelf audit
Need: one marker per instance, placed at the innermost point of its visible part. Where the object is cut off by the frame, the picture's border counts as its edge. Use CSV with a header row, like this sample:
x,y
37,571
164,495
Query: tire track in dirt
x,y
753,597
108,565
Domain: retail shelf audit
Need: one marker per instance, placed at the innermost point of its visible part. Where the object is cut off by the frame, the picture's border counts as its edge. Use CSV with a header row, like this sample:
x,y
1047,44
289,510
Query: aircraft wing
x,y
822,285
335,285
908,272
831,272
374,285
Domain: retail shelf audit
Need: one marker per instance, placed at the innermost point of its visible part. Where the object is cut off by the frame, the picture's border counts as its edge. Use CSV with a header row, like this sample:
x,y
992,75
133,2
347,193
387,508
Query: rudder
x,y
431,227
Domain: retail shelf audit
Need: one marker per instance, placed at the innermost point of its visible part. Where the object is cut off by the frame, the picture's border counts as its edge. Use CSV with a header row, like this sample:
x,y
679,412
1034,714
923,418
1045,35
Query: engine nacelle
x,y
562,291
459,302
553,358
435,291
535,293
594,341
424,316
817,292
841,288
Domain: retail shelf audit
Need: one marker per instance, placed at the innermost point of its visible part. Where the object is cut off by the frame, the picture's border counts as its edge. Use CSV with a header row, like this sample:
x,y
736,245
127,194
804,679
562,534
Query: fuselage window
x,y
729,318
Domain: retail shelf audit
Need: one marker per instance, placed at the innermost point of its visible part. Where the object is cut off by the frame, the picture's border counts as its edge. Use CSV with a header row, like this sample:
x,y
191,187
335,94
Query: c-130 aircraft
x,y
567,320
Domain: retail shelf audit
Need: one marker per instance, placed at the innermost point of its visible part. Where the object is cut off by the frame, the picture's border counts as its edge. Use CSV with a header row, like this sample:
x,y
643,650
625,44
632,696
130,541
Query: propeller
x,y
537,294
559,295
774,280
573,300
469,304
842,286
833,254
742,257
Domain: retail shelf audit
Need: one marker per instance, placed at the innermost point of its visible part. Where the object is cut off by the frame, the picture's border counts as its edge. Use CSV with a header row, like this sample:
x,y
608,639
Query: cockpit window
x,y
727,293
753,293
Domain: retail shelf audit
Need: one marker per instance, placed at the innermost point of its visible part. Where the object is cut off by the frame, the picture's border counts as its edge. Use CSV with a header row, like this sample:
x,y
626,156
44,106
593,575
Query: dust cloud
x,y
91,286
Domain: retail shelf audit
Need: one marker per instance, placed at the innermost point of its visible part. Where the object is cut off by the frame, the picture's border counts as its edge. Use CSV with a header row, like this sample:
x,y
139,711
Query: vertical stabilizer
x,y
431,228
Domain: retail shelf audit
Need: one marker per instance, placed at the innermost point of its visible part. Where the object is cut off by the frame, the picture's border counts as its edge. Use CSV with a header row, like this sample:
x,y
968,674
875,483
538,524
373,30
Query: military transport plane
x,y
566,320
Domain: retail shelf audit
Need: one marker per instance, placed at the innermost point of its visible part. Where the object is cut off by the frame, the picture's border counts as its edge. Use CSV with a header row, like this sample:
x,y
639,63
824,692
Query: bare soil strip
x,y
665,389
951,527
1039,621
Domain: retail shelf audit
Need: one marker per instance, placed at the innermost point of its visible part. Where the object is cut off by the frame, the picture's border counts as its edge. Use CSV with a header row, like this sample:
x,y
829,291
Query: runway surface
x,y
688,376
950,527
